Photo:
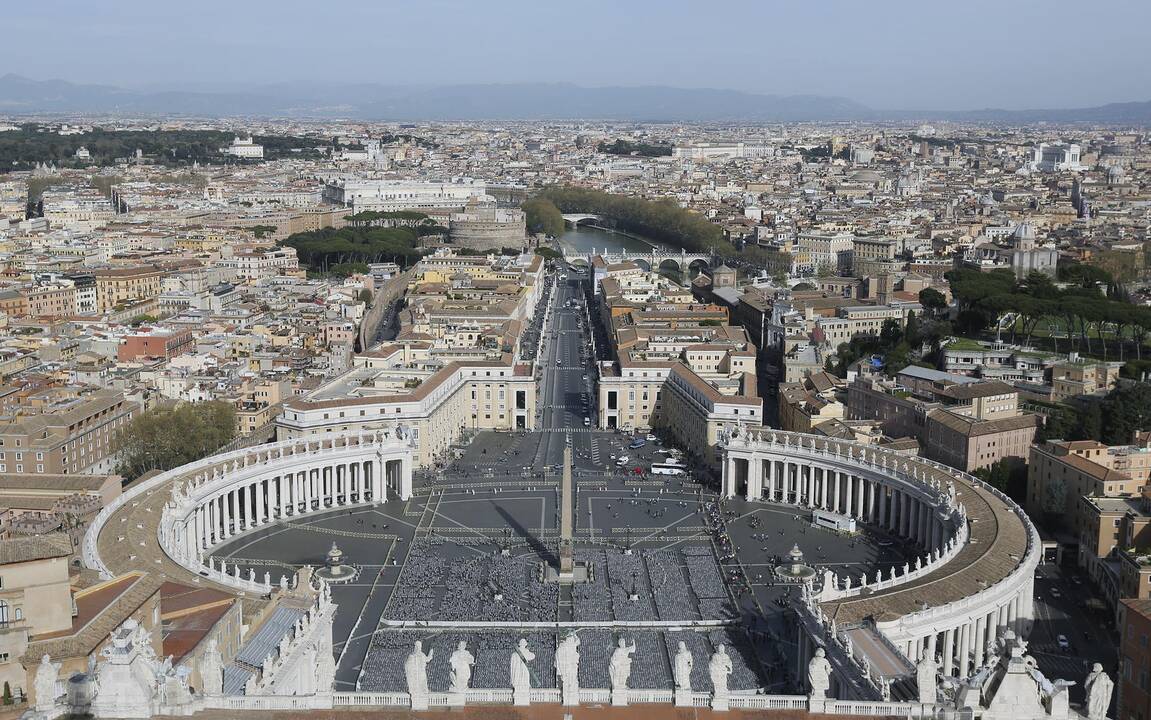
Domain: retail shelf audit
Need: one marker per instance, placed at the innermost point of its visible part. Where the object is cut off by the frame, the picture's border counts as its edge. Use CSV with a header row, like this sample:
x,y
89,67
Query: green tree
x,y
142,319
262,231
1059,423
105,183
365,296
660,220
170,436
890,333
1124,411
932,300
1008,475
548,253
322,249
543,217
911,331
625,147
7,693
1090,425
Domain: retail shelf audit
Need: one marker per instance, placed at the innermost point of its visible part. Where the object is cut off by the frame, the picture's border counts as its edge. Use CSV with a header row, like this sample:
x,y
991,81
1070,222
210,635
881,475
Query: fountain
x,y
794,569
336,568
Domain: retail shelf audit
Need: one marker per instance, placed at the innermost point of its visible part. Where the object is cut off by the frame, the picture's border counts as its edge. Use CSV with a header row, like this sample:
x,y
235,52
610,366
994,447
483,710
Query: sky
x,y
886,54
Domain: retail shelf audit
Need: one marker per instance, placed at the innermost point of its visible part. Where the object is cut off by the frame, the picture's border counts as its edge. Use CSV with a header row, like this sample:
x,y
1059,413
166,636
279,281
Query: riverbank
x,y
625,233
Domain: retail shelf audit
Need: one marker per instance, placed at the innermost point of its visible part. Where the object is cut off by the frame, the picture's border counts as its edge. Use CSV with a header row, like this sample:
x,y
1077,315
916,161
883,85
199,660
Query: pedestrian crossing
x,y
570,430
1057,664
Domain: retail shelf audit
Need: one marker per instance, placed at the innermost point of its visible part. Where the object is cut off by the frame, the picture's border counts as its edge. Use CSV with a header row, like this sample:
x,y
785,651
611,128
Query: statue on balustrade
x,y
684,663
567,666
521,674
461,662
1099,688
416,670
619,668
819,675
719,667
926,671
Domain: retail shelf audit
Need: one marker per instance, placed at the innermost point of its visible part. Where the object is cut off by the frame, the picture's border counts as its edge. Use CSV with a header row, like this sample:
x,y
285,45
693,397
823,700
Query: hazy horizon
x,y
900,55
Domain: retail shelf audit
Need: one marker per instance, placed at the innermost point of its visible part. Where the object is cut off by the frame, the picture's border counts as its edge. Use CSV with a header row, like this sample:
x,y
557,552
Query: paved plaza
x,y
666,560
468,548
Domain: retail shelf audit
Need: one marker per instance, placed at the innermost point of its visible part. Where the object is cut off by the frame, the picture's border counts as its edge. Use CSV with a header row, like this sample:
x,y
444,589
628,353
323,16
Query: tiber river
x,y
583,239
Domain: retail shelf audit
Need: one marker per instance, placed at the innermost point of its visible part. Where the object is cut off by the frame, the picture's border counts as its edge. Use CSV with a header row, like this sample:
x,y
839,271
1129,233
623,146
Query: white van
x,y
586,421
623,460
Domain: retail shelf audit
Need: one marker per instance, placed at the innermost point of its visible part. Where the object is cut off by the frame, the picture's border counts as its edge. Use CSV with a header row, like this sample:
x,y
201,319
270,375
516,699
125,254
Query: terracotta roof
x,y
189,614
100,610
38,547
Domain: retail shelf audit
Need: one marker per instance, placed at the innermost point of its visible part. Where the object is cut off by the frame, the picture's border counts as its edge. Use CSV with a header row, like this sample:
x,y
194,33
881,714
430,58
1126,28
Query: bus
x,y
833,521
667,468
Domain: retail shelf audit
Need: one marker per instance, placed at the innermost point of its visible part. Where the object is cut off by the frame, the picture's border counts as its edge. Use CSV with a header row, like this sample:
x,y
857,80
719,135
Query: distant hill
x,y
524,101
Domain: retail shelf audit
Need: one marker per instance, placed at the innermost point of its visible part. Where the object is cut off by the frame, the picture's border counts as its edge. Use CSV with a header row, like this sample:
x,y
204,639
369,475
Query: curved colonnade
x,y
215,499
973,577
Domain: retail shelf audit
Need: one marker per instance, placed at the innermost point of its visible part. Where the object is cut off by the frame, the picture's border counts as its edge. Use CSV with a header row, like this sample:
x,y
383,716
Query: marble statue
x,y
521,675
719,667
684,663
819,675
416,670
1098,687
619,667
461,662
46,684
567,668
925,677
212,669
325,670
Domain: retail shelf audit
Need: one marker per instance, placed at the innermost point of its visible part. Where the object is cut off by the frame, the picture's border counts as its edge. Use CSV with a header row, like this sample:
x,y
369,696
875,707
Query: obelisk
x,y
567,567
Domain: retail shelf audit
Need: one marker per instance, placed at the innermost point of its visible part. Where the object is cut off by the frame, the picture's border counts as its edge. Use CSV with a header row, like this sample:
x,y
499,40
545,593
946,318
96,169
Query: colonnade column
x,y
948,650
980,640
729,477
378,493
964,649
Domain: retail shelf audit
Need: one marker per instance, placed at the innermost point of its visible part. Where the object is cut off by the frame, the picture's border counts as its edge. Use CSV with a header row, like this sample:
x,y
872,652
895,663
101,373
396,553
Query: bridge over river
x,y
652,260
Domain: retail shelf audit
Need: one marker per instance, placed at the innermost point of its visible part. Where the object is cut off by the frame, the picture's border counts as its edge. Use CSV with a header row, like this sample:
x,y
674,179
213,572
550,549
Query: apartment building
x,y
873,256
1060,472
857,320
828,251
51,301
117,286
806,404
155,343
959,421
61,430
